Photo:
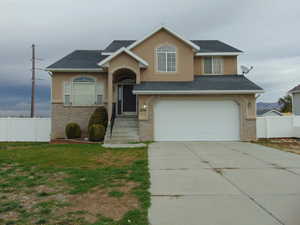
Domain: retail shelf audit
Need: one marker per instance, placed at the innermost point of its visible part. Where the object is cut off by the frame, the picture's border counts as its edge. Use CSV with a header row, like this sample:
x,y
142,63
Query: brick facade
x,y
62,115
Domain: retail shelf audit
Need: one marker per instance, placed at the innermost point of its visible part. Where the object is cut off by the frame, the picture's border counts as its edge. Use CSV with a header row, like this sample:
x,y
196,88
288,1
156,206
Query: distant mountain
x,y
263,107
268,105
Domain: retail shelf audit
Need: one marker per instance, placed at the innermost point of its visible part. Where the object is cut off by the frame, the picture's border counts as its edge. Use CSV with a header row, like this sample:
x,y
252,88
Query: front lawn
x,y
68,184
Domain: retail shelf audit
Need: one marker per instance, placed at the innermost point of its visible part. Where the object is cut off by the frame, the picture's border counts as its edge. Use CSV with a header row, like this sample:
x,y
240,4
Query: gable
x,y
122,51
168,31
123,60
184,58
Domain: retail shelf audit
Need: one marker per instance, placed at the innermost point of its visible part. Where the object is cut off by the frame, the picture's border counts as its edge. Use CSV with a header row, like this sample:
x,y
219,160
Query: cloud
x,y
265,30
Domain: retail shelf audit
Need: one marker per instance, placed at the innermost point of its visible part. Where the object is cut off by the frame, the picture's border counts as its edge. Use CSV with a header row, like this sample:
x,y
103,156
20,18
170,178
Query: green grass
x,y
116,194
71,169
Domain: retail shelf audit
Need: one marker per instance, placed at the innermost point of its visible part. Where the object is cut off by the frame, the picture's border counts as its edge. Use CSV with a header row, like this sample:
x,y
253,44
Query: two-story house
x,y
167,87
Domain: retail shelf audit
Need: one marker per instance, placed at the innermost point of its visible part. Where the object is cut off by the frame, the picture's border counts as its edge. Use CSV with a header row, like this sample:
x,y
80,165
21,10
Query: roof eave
x,y
186,92
219,53
293,92
73,70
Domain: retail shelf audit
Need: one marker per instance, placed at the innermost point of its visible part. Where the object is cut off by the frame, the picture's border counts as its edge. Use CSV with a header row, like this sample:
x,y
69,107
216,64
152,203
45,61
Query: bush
x,y
96,132
99,116
73,131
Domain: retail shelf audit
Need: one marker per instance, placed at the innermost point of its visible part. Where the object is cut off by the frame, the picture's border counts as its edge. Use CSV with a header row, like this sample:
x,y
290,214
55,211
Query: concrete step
x,y
125,130
125,134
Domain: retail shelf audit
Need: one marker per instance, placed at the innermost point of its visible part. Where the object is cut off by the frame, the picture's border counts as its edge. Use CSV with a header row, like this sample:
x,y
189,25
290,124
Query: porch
x,y
122,106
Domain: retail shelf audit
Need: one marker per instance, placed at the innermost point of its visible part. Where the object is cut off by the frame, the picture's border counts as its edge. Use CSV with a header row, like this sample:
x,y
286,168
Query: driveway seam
x,y
253,200
275,165
237,187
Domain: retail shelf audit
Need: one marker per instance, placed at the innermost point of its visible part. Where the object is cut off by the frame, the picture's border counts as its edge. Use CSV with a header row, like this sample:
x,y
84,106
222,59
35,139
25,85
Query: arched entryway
x,y
125,101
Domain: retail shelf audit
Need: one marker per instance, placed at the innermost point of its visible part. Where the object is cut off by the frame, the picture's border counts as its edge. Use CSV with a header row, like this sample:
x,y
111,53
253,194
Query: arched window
x,y
83,91
84,79
166,58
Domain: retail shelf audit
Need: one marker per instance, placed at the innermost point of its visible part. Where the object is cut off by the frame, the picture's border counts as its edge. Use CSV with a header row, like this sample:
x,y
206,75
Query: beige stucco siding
x,y
58,80
123,61
246,105
229,65
185,54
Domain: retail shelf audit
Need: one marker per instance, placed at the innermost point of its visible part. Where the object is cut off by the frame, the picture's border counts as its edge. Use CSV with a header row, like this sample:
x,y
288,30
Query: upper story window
x,y
83,91
213,65
166,58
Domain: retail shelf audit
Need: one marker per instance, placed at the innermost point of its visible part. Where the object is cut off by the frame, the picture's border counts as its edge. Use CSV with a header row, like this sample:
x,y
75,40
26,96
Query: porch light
x,y
144,107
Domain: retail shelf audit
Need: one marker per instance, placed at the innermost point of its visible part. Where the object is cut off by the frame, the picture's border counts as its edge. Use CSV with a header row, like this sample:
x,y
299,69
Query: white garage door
x,y
194,120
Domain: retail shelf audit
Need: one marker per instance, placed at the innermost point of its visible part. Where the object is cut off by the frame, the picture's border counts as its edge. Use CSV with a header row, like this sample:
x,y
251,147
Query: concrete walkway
x,y
223,183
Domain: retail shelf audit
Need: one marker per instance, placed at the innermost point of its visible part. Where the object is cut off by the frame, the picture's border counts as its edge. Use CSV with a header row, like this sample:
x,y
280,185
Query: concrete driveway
x,y
223,183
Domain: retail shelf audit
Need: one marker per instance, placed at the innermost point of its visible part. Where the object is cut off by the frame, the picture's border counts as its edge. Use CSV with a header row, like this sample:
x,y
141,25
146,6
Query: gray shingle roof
x,y
203,83
88,59
214,46
80,59
117,44
206,46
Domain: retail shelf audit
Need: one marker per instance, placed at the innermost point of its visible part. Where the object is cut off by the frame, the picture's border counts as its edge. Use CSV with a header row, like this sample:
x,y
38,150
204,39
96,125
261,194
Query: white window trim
x,y
71,82
212,64
176,56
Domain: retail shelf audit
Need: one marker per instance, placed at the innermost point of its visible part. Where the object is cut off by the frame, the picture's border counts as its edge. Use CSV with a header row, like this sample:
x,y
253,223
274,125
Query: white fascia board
x,y
218,53
121,50
194,46
73,70
199,92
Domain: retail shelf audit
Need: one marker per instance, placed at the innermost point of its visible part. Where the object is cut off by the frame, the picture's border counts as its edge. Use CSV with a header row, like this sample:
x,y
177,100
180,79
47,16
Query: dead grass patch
x,y
118,158
284,144
98,202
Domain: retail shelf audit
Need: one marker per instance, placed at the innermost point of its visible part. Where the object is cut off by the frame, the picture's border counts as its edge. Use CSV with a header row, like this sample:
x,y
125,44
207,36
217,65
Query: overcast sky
x,y
266,30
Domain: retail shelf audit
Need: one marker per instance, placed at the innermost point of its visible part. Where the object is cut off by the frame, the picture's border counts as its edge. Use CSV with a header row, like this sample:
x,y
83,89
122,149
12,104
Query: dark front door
x,y
129,99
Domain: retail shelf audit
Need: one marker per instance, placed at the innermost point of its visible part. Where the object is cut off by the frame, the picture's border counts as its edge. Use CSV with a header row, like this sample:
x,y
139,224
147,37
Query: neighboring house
x,y
295,92
267,112
269,106
173,89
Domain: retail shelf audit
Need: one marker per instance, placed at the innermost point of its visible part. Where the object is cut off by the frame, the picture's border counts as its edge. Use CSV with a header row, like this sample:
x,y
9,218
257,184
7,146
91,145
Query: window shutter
x,y
208,65
67,92
99,93
217,65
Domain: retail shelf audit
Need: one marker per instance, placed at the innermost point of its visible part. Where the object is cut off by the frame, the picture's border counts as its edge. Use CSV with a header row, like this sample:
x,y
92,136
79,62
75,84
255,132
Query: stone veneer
x,y
62,115
247,105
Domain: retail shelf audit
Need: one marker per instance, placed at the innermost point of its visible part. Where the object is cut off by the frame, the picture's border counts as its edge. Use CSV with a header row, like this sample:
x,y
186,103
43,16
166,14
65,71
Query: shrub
x,y
96,132
73,131
99,116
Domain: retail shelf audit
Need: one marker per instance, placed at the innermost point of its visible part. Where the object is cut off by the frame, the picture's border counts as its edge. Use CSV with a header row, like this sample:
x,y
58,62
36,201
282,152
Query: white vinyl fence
x,y
38,129
25,129
278,126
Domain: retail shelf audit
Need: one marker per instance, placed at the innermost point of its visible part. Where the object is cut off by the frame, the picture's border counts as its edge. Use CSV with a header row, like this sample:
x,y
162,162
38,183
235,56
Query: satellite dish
x,y
245,69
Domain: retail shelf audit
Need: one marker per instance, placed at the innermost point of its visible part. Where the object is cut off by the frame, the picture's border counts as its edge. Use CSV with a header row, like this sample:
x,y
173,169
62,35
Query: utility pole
x,y
33,82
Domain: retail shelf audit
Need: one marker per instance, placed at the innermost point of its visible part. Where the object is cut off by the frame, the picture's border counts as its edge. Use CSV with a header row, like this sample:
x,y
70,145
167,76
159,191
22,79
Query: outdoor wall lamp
x,y
144,107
